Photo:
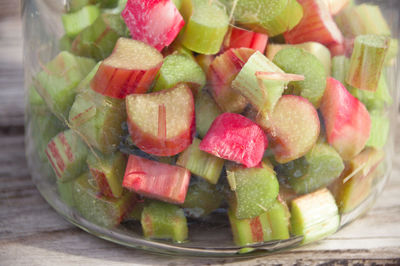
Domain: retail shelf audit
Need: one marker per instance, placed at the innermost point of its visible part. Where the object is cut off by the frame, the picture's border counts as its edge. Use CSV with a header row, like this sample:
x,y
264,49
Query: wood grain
x,y
31,233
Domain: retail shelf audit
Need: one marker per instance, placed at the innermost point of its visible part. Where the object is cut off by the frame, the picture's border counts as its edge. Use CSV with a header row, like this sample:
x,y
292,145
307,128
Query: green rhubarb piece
x,y
317,169
297,61
380,125
108,171
104,211
57,81
206,112
162,220
67,154
201,163
75,5
262,94
206,26
367,61
201,199
318,50
98,40
253,190
76,21
355,184
180,68
266,16
177,3
270,225
362,19
96,117
66,190
314,216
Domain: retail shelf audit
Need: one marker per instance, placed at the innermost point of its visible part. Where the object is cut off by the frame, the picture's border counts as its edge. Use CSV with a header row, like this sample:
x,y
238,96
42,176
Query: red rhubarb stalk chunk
x,y
242,38
317,25
347,121
131,68
156,180
236,138
155,22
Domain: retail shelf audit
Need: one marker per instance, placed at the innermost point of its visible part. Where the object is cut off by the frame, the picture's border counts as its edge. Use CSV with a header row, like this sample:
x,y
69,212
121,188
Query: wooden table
x,y
31,233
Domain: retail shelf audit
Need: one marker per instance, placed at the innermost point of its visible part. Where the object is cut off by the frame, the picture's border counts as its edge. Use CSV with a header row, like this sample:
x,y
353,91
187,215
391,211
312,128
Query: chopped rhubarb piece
x,y
346,120
355,184
161,220
317,25
367,61
317,169
156,180
380,125
242,38
131,68
206,112
155,22
202,198
314,216
261,93
67,154
98,40
201,163
253,190
315,48
178,68
222,72
236,138
58,79
293,127
206,26
162,123
104,211
270,17
204,61
297,61
108,172
270,225
75,22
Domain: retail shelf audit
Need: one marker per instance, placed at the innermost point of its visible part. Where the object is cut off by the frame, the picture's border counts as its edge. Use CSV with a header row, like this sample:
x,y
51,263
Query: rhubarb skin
x,y
242,38
131,68
162,123
156,180
335,6
355,183
292,128
317,25
346,120
222,72
104,211
236,138
155,22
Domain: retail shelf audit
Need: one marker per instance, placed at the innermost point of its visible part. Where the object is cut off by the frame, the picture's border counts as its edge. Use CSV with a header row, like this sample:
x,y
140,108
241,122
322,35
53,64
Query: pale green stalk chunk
x,y
201,163
297,61
75,22
206,112
206,26
253,190
162,220
57,81
272,17
317,169
367,61
180,68
262,94
314,216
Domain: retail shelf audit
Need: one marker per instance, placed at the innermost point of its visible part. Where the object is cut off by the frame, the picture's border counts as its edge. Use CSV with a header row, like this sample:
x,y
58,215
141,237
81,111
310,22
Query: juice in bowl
x,y
210,127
